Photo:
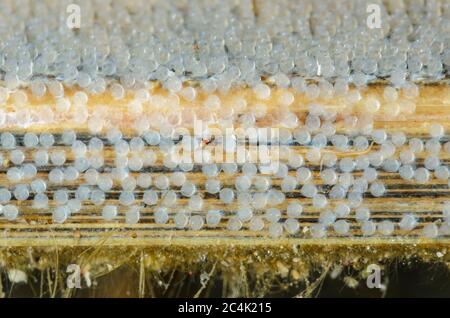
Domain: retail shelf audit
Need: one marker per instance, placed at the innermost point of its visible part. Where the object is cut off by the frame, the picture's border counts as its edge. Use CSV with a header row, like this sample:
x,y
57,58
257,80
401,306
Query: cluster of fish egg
x,y
222,43
330,162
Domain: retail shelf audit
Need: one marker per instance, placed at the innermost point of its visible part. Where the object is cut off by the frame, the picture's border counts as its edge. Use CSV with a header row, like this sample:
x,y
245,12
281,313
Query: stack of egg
x,y
93,119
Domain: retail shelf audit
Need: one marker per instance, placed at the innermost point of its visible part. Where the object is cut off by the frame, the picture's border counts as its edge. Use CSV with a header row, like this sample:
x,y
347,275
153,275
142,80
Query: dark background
x,y
413,280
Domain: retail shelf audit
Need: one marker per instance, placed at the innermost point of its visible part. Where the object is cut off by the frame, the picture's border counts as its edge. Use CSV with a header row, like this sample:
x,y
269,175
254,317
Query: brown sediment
x,y
237,266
